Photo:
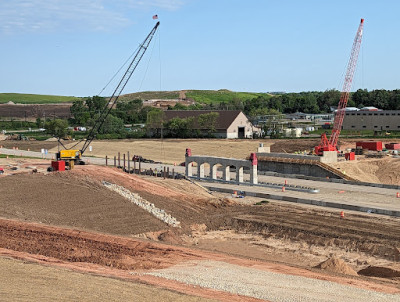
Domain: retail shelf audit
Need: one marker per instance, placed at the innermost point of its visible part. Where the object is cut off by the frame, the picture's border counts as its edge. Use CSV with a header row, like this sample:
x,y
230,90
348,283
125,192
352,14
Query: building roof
x,y
224,120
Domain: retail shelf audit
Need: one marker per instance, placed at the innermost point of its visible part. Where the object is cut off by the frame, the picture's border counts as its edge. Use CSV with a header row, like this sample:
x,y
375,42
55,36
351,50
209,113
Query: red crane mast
x,y
331,144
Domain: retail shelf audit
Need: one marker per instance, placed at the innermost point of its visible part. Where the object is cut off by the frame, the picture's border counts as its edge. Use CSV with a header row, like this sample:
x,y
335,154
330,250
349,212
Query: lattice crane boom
x,y
120,87
331,144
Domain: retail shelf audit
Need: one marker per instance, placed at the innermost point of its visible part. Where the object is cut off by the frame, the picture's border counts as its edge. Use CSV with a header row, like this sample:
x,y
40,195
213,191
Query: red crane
x,y
331,144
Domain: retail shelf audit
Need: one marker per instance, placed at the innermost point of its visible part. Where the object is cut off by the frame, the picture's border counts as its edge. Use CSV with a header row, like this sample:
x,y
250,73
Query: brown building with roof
x,y
229,124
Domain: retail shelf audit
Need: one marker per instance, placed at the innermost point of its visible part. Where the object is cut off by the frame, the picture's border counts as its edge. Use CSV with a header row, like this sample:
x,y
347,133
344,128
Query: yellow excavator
x,y
73,156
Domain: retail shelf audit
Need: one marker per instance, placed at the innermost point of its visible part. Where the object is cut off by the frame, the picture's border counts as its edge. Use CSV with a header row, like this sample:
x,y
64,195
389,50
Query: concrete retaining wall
x,y
295,168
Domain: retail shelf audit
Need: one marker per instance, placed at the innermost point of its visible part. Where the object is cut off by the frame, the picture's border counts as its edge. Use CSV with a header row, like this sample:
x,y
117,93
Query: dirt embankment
x,y
383,170
300,236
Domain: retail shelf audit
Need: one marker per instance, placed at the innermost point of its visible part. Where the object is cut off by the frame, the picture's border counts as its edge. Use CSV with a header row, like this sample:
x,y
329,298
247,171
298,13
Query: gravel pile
x,y
144,204
270,286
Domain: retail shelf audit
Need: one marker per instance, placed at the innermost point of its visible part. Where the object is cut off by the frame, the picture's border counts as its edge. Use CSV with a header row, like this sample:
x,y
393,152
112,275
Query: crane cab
x,y
71,157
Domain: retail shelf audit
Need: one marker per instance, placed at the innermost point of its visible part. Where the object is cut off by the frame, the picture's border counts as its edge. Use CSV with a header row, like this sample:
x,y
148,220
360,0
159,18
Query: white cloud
x,y
161,4
18,16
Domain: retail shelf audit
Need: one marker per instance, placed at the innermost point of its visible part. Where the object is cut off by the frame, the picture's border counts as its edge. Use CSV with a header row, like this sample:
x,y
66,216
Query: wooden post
x,y
119,159
168,172
134,165
106,160
140,166
124,162
115,161
173,173
129,163
165,172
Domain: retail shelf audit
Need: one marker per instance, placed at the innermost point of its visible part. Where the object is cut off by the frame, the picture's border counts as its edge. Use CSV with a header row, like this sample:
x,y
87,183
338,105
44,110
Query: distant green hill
x,y
20,98
150,95
199,96
219,96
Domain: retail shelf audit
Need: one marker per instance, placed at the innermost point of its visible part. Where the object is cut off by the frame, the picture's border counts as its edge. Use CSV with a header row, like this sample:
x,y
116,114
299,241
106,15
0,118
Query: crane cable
x,y
123,65
159,59
112,78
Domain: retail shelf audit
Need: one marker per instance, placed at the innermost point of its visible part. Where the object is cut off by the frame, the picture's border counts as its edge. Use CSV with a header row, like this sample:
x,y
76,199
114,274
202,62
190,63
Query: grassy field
x,y
200,96
218,96
19,98
150,95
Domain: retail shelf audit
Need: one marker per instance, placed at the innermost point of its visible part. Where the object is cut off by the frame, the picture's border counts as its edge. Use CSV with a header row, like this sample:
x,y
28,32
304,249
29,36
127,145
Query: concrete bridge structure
x,y
225,163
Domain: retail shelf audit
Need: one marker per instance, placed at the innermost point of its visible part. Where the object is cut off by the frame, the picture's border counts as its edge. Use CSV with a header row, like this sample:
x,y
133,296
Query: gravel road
x,y
270,286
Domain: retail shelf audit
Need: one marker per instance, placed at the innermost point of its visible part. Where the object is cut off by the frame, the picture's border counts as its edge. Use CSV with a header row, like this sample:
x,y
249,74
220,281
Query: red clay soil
x,y
115,256
109,256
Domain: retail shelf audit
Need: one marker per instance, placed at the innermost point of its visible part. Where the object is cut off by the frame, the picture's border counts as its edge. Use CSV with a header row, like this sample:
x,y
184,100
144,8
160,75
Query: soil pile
x,y
380,271
384,170
336,265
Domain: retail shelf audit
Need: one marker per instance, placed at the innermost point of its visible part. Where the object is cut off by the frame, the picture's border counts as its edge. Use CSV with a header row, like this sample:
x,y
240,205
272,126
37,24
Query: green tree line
x,y
86,111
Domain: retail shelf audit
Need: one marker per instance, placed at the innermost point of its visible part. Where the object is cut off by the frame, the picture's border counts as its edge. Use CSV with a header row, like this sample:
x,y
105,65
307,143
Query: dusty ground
x,y
302,237
282,234
29,281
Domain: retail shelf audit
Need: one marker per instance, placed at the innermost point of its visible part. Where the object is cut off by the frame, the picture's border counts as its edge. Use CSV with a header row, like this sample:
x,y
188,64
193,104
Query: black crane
x,y
74,156
120,87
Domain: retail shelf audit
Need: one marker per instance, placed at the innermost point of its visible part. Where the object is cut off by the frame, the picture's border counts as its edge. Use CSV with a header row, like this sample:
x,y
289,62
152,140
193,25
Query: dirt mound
x,y
380,271
10,103
336,265
384,170
52,139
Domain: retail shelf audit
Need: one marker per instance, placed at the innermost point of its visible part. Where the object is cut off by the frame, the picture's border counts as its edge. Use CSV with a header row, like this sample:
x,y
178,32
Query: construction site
x,y
201,219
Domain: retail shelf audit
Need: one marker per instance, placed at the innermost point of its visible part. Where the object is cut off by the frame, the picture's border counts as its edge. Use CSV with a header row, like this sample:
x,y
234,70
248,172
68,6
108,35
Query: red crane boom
x,y
331,144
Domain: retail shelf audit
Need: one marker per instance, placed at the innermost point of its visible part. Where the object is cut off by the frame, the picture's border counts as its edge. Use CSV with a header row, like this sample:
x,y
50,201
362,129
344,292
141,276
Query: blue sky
x,y
74,47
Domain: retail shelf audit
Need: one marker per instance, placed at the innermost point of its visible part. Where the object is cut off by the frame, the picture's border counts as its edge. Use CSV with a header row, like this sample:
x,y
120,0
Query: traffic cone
x,y
285,182
283,189
341,214
398,195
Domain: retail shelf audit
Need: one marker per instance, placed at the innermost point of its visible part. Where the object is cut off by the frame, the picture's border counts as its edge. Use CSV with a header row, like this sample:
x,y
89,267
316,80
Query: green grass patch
x,y
150,95
199,96
10,156
17,125
261,202
219,96
20,98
